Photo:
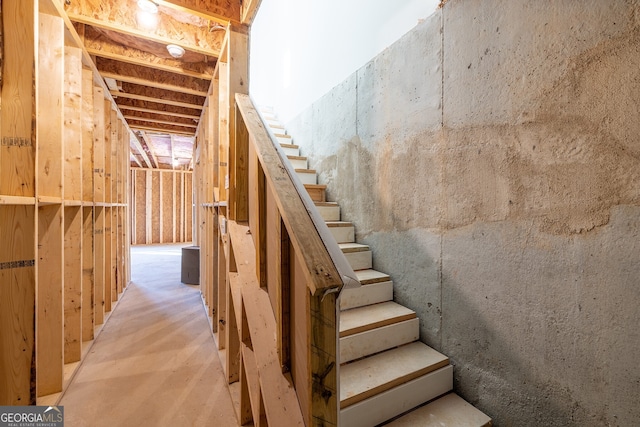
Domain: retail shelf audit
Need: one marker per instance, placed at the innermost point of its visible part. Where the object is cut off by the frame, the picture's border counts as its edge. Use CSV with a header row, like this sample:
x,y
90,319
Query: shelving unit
x,y
64,258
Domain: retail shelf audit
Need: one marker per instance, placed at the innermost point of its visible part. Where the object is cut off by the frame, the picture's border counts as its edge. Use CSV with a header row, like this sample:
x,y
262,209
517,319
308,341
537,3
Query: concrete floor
x,y
154,363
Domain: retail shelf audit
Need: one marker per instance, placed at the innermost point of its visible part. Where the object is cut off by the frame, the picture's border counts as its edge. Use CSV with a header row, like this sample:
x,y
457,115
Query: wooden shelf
x,y
17,200
49,200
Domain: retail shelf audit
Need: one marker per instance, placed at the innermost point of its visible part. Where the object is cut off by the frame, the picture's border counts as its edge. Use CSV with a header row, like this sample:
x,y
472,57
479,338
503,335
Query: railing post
x,y
324,372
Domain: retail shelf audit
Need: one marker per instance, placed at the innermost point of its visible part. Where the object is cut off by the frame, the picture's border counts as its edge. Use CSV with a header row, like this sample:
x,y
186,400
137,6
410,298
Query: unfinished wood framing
x,y
162,205
52,185
273,316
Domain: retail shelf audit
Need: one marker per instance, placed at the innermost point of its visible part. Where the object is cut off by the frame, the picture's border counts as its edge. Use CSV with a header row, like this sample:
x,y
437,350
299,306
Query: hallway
x,y
154,363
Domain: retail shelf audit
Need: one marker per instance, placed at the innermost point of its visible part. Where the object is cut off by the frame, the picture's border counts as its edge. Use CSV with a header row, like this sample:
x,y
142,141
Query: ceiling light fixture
x,y
175,50
148,6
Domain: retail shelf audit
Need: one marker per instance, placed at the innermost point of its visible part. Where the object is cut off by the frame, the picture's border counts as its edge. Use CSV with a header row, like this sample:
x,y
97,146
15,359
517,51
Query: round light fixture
x,y
175,50
148,6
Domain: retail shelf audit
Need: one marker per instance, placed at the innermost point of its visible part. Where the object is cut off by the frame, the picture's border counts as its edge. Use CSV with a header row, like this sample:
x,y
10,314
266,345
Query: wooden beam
x,y
152,83
153,111
173,156
162,122
143,153
191,37
150,61
116,94
135,159
159,130
149,143
207,9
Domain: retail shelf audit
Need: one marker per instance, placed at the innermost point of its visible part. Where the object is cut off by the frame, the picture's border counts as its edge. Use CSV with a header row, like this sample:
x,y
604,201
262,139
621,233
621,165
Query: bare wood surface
x,y
17,149
88,291
17,304
322,274
50,313
49,116
281,402
72,284
73,123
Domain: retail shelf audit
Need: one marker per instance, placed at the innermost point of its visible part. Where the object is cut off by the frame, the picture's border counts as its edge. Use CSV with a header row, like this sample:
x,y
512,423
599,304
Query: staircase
x,y
386,373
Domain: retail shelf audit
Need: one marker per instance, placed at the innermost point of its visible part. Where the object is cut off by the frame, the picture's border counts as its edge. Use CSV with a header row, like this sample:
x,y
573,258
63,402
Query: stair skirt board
x,y
366,295
398,400
450,411
380,339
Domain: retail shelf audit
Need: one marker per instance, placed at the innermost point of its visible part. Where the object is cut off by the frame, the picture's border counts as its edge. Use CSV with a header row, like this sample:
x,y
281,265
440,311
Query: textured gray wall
x,y
491,158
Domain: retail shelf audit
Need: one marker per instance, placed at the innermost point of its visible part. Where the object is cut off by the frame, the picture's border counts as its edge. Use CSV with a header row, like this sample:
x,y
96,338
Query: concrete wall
x,y
491,158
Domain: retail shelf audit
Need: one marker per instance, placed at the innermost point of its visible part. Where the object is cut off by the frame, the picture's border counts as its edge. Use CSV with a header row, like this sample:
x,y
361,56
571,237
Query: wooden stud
x,y
50,93
99,265
17,138
73,134
108,259
88,322
87,135
148,208
50,308
98,144
73,284
17,302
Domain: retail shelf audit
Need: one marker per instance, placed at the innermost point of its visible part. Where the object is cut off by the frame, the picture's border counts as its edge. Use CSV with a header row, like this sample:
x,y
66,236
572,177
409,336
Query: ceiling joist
x,y
117,94
152,83
158,111
161,122
159,129
154,62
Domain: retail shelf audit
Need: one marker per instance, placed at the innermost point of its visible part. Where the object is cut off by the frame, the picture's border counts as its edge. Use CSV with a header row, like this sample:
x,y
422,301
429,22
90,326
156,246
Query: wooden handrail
x,y
322,273
295,271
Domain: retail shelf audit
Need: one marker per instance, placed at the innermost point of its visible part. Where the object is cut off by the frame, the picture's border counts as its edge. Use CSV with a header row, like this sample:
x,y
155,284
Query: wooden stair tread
x,y
305,171
319,186
293,146
361,319
326,204
339,224
353,247
296,157
282,135
367,277
448,411
372,375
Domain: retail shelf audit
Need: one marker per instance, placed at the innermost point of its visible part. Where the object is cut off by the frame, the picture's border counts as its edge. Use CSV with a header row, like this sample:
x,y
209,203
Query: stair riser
x,y
317,194
307,178
291,151
329,213
359,260
283,140
366,295
370,342
343,234
298,164
398,400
